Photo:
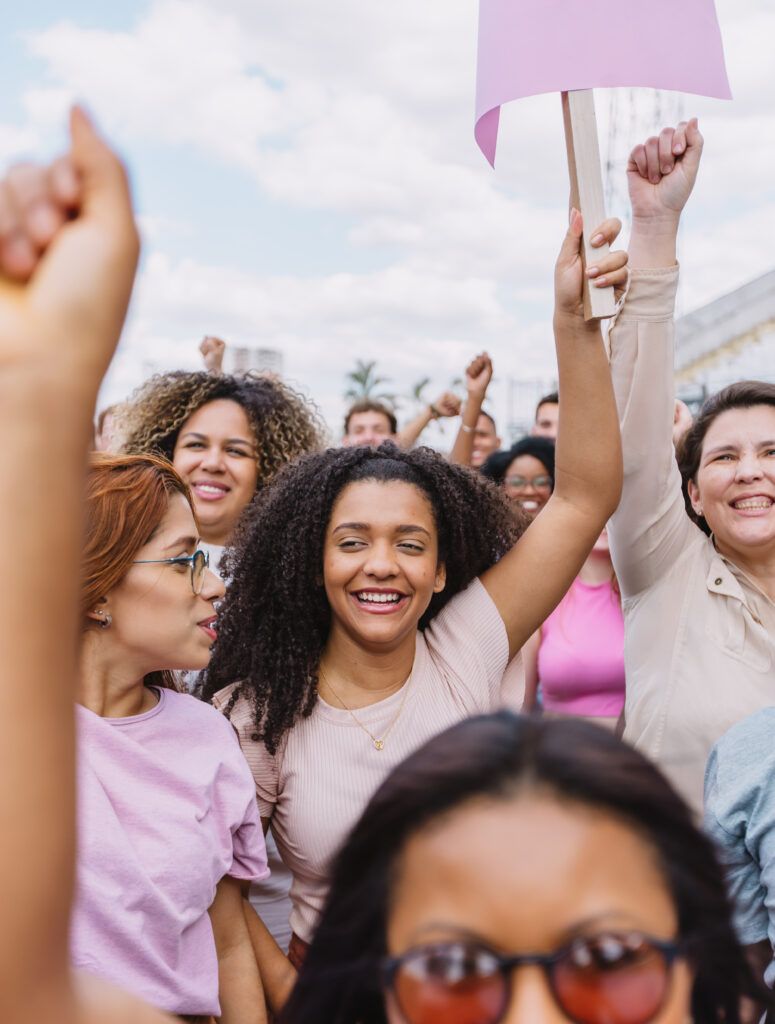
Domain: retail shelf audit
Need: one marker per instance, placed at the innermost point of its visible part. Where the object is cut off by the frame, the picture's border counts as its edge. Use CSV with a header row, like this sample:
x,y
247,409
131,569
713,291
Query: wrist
x,y
471,412
656,226
571,322
653,243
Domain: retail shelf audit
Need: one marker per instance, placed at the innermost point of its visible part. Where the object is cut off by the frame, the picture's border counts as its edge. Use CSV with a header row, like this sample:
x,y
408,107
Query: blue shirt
x,y
740,818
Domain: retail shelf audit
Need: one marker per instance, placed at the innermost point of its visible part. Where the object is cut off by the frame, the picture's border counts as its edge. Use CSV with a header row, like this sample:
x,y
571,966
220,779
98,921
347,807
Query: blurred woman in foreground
x,y
514,870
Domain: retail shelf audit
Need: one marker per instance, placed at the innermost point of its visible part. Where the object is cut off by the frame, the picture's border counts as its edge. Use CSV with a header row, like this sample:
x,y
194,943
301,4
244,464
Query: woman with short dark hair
x,y
525,472
517,869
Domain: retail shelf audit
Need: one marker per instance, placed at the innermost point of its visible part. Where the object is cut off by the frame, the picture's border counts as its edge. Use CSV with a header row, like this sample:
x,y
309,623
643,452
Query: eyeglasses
x,y
604,979
541,483
199,562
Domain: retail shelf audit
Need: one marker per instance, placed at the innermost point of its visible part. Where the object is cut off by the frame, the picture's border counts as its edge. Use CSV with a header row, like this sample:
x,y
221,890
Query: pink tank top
x,y
581,658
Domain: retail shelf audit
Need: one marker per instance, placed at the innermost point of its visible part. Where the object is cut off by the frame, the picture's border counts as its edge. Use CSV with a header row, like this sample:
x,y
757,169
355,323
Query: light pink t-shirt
x,y
327,769
166,809
581,657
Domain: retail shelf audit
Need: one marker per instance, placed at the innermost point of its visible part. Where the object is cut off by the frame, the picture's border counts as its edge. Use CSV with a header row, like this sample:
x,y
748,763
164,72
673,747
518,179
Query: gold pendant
x,y
379,744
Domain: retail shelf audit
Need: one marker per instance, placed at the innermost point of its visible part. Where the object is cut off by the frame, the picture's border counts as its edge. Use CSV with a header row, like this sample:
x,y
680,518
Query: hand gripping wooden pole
x,y
586,189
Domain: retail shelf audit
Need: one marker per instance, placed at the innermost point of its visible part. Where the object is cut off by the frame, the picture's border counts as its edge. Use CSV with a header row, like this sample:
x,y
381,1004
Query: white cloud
x,y
365,110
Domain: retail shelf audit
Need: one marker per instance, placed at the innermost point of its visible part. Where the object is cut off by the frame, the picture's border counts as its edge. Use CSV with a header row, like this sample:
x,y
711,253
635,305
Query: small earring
x,y
106,621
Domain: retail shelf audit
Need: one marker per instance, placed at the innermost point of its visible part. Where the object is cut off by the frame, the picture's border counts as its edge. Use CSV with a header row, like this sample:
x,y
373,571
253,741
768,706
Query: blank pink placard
x,y
528,47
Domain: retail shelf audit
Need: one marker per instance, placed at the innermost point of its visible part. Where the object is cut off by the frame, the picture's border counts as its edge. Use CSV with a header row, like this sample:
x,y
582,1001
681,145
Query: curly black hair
x,y
274,622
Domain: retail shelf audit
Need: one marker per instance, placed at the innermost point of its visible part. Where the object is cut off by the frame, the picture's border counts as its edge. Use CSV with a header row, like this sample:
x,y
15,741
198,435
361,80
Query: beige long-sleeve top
x,y
699,635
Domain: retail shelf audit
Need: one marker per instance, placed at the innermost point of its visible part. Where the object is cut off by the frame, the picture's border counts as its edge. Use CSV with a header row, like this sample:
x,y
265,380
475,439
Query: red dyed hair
x,y
127,497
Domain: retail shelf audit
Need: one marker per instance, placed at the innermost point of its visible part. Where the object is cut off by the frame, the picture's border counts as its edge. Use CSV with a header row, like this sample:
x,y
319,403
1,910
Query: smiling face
x,y
528,484
381,562
734,487
215,453
579,873
158,621
367,428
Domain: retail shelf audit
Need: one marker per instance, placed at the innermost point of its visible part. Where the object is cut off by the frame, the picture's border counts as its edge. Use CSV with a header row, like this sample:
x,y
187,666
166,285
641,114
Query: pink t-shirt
x,y
166,809
581,658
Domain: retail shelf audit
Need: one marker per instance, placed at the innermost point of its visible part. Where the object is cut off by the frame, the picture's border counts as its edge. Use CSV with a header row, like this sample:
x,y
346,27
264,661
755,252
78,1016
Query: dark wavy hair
x,y
274,621
496,757
745,394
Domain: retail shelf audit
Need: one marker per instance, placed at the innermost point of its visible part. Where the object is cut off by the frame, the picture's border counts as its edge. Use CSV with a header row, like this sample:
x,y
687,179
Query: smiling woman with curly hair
x,y
377,597
226,436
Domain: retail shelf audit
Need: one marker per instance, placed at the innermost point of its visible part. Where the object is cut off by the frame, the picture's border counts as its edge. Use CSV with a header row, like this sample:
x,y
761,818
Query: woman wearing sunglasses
x,y
168,826
517,871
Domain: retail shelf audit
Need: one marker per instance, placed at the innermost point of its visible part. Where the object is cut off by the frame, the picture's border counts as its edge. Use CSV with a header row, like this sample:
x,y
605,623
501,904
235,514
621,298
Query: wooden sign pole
x,y
586,183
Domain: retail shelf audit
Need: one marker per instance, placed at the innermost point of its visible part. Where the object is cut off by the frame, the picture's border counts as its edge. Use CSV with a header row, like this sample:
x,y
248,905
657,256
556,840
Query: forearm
x,y
43,463
241,992
277,973
650,527
408,435
463,448
588,463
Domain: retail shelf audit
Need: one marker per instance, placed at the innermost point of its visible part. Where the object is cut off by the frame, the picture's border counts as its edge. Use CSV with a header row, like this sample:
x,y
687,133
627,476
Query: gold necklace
x,y
378,744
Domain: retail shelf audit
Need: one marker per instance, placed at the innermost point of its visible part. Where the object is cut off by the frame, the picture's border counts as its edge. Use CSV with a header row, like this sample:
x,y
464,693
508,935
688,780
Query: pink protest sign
x,y
528,47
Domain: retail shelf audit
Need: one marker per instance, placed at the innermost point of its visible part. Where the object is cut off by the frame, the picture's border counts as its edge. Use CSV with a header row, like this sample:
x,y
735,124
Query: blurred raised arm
x,y
68,253
478,377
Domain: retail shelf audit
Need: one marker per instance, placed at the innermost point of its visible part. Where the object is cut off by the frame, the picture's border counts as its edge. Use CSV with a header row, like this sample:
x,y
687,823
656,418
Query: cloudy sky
x,y
307,179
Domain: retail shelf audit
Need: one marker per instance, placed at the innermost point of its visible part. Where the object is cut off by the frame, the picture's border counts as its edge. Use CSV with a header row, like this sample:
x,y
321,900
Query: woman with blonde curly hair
x,y
226,436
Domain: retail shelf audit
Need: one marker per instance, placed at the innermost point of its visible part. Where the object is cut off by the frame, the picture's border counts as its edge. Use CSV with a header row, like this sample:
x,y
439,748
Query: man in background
x,y
547,416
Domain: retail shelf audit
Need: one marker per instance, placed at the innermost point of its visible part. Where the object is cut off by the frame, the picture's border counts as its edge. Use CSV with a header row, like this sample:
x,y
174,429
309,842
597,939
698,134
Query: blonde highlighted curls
x,y
285,423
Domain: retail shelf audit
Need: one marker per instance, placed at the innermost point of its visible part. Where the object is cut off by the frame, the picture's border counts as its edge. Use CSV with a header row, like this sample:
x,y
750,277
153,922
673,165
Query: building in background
x,y
240,358
729,339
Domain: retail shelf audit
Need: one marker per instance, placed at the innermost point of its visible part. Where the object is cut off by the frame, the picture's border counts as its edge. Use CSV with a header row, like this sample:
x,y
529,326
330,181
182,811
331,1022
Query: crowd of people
x,y
366,733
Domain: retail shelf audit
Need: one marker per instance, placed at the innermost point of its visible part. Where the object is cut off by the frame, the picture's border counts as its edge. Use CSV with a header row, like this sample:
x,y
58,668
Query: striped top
x,y
326,769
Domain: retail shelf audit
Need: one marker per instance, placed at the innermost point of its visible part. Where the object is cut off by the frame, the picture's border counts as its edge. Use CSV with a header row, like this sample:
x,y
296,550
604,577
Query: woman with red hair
x,y
169,833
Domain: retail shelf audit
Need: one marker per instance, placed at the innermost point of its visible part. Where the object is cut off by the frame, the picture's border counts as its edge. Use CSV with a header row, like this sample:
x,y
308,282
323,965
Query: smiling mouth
x,y
760,503
379,602
210,492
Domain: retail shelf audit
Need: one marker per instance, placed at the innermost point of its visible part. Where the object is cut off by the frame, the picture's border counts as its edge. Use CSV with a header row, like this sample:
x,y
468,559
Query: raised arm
x,y
531,579
445,406
68,252
478,377
650,529
212,350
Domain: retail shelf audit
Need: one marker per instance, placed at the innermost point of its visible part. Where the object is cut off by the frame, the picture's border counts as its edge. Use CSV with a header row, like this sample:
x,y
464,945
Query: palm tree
x,y
416,394
363,383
